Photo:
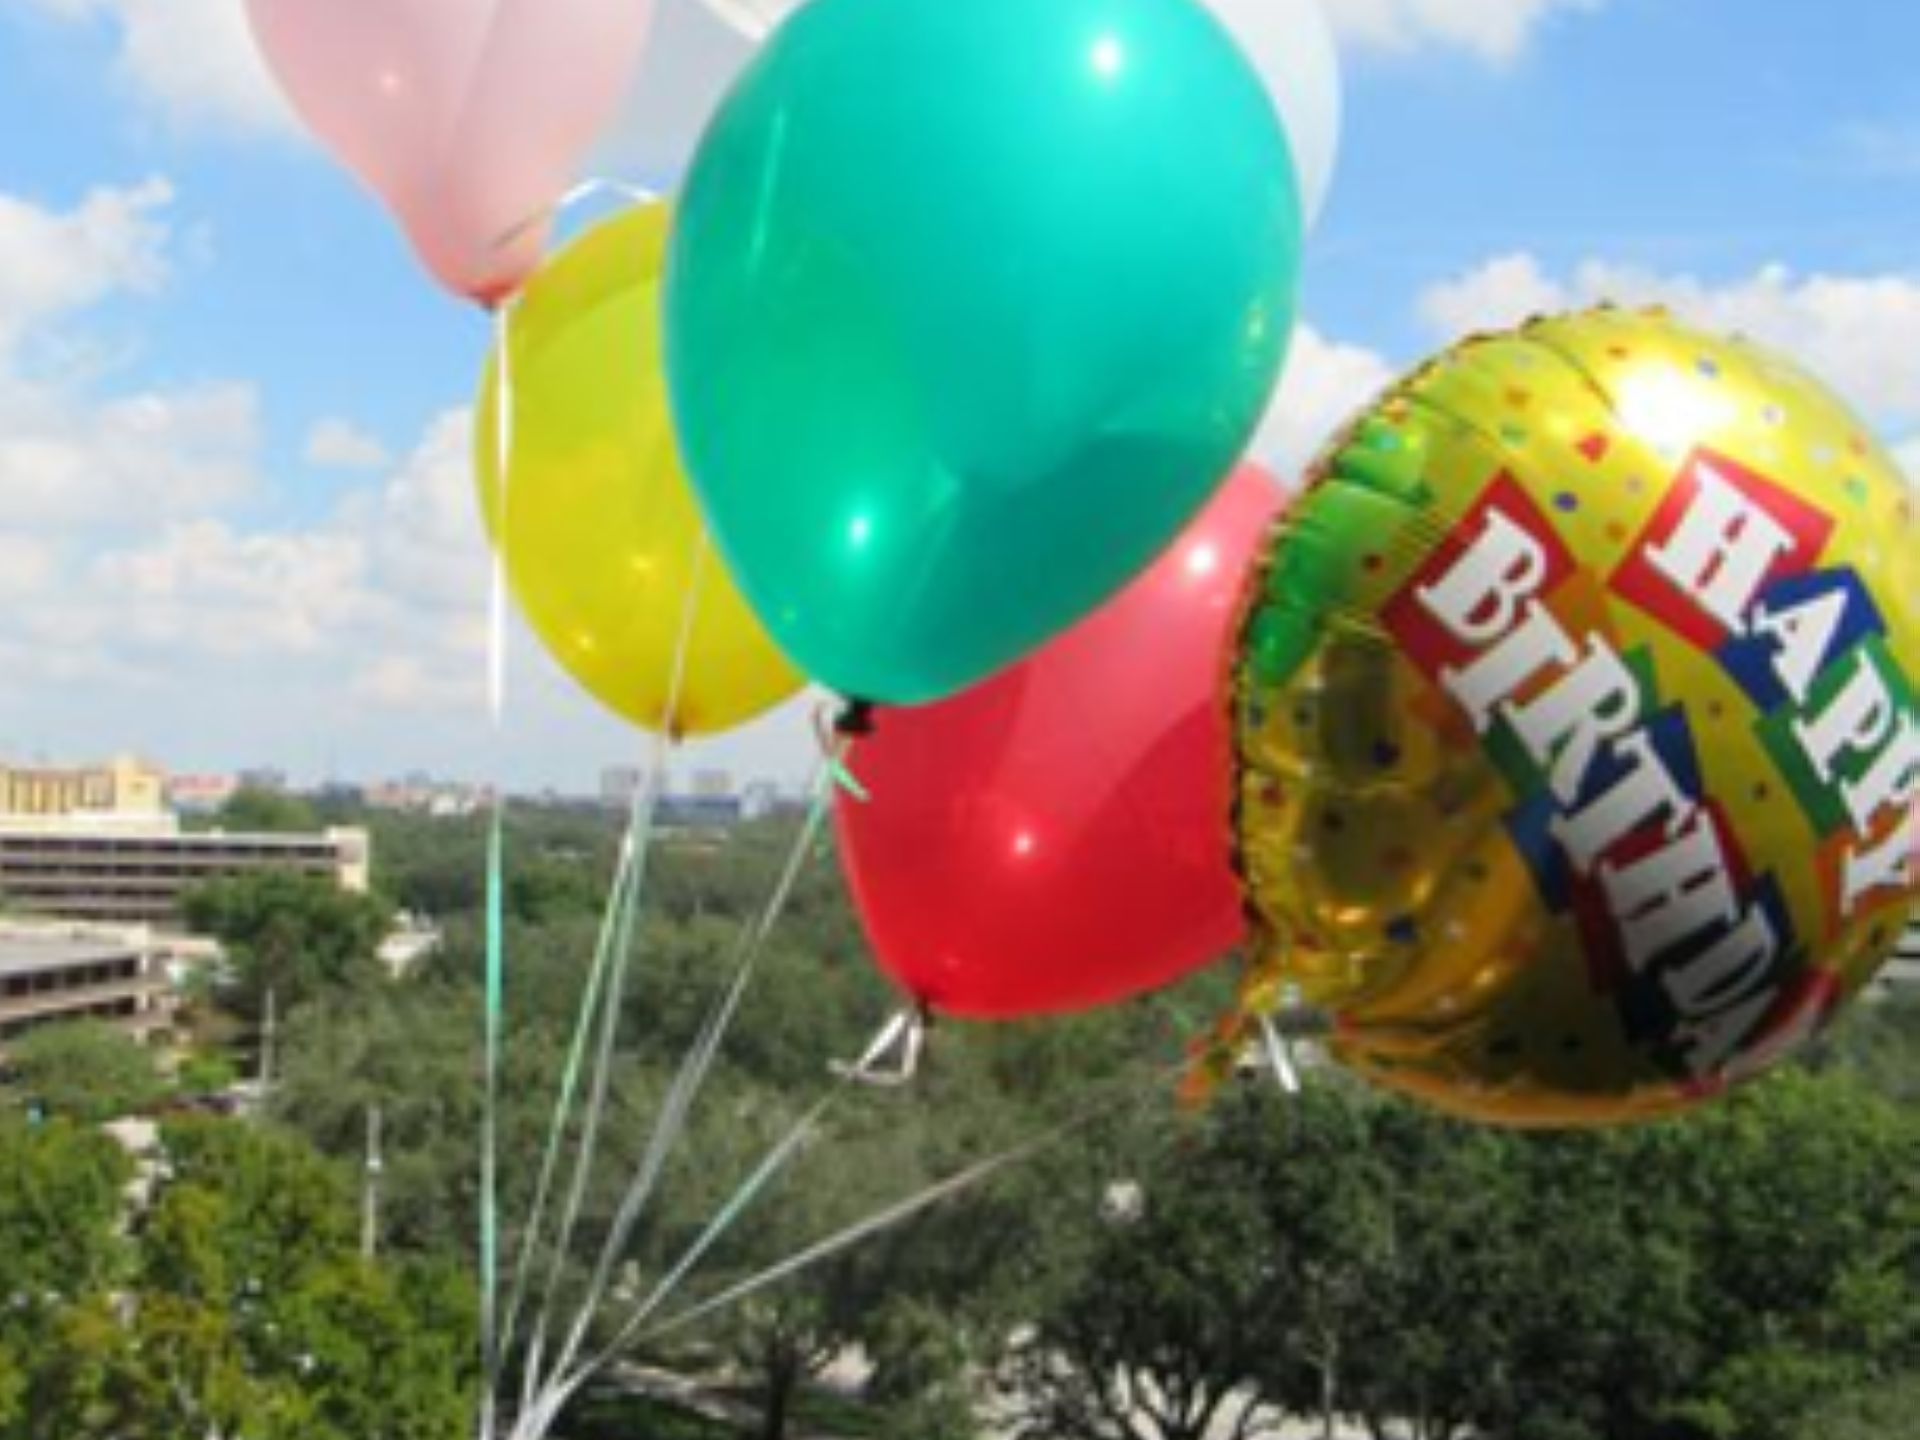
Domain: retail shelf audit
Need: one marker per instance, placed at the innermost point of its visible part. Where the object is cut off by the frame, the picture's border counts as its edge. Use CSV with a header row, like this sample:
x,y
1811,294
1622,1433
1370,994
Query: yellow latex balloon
x,y
1577,721
605,546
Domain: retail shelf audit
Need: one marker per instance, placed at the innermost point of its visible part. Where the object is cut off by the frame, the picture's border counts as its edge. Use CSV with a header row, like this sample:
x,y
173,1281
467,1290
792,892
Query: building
x,y
763,799
201,794
123,786
712,784
121,871
54,973
422,795
697,812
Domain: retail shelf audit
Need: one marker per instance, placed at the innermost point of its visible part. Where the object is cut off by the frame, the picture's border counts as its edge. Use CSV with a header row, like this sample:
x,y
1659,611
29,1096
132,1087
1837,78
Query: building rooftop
x,y
26,952
205,839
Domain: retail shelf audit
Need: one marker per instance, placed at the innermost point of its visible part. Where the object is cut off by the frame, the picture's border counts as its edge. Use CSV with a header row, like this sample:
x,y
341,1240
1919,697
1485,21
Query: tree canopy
x,y
1338,1256
85,1070
233,1303
298,936
253,809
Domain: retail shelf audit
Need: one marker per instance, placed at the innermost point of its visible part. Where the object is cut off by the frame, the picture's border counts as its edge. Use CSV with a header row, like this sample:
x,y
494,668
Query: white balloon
x,y
1291,44
692,61
755,18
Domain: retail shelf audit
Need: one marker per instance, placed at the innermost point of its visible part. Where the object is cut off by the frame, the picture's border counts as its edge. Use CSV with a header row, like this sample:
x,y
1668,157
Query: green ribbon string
x,y
490,1121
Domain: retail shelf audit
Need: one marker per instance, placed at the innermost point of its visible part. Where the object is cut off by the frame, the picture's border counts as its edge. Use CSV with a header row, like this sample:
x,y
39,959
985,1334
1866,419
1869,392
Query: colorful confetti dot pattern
x,y
1509,916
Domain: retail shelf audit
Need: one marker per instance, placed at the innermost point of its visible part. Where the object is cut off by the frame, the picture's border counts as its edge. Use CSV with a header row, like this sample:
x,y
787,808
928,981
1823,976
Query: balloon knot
x,y
856,719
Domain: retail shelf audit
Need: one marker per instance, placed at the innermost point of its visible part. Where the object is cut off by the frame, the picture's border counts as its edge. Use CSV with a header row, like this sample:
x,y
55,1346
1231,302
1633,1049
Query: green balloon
x,y
971,305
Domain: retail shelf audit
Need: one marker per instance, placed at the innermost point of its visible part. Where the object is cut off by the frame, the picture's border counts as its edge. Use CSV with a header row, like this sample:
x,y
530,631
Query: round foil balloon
x,y
970,308
1577,725
605,548
1056,837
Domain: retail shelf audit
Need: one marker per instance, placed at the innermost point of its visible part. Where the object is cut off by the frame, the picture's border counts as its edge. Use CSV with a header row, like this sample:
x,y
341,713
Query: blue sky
x,y
234,525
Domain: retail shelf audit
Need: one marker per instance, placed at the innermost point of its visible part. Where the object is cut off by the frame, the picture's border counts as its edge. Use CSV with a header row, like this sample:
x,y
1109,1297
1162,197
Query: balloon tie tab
x,y
836,737
893,1059
1279,1053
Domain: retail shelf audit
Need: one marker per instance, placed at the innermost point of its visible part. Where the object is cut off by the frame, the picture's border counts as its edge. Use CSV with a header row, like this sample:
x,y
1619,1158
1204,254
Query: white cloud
x,y
52,263
143,608
205,588
68,462
398,570
27,564
336,444
362,636
383,573
193,62
1494,30
1502,292
72,458
1861,333
423,525
418,683
1325,385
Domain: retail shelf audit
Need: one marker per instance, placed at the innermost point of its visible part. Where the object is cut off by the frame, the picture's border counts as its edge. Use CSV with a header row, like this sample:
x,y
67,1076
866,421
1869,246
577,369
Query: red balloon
x,y
1059,837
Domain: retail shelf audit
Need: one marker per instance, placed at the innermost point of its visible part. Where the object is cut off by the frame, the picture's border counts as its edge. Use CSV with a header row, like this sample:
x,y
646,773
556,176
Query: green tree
x,y
1880,1043
254,811
61,1195
74,1370
1431,1347
559,862
293,936
252,1313
85,1070
877,1149
412,1050
1205,1275
1153,1309
246,1212
435,867
1588,1314
13,1390
207,1074
1883,1411
1803,1201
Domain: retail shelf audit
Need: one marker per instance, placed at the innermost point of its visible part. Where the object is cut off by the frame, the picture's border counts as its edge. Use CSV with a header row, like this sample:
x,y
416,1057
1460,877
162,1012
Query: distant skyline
x,y
236,522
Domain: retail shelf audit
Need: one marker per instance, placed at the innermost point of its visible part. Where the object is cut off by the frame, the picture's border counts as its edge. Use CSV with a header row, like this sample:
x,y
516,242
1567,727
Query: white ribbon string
x,y
688,1082
638,847
896,1031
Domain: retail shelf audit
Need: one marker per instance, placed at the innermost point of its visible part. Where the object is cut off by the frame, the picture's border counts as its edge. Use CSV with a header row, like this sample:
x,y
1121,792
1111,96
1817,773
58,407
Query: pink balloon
x,y
468,117
1059,837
